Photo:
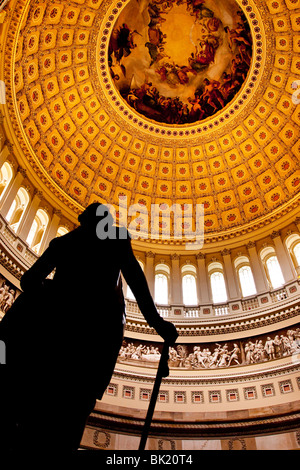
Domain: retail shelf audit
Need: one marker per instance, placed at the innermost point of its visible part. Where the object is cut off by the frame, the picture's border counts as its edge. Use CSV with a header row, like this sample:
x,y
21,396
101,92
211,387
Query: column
x,y
4,153
260,279
230,276
51,230
297,222
12,192
176,282
202,280
283,257
149,271
28,218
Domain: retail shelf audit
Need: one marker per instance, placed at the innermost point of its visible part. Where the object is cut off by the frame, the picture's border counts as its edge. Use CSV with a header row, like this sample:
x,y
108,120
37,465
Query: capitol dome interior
x,y
189,109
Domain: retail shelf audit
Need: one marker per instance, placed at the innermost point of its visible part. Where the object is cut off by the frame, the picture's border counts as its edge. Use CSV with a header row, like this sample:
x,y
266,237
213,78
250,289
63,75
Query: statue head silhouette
x,y
93,214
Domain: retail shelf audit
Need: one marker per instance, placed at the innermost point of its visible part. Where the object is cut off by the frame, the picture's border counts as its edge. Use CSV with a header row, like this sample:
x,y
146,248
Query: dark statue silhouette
x,y
63,335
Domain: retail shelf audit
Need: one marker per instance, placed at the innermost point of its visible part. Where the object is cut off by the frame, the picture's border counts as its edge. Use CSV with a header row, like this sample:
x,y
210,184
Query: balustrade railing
x,y
164,311
18,248
221,310
250,304
255,304
279,295
192,312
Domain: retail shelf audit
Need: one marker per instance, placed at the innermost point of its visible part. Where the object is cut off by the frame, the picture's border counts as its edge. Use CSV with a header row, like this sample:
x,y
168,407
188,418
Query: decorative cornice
x,y
11,267
226,252
275,234
22,171
38,193
199,378
197,429
251,244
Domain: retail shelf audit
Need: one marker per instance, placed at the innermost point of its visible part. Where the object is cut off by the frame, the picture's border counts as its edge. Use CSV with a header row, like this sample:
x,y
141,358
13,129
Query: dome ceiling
x,y
88,99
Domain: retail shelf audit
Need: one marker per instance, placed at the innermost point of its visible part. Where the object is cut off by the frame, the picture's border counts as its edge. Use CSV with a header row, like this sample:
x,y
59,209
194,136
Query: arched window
x,y
189,287
217,282
17,209
61,231
272,267
161,287
275,273
296,251
129,293
6,175
37,230
293,246
246,281
245,276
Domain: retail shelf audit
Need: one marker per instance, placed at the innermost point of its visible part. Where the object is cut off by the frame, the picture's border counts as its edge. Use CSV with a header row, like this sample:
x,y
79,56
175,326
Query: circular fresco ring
x,y
192,91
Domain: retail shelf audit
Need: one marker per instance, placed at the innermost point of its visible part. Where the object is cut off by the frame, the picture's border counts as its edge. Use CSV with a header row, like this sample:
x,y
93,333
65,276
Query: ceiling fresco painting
x,y
178,61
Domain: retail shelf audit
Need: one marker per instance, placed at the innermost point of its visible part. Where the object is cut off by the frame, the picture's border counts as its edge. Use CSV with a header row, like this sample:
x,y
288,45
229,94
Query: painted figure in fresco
x,y
121,45
228,86
198,9
174,74
212,94
54,334
123,42
205,54
237,36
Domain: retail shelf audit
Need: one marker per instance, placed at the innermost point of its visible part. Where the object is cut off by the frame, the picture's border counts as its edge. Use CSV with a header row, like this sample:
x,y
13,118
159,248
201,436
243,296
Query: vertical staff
x,y
162,371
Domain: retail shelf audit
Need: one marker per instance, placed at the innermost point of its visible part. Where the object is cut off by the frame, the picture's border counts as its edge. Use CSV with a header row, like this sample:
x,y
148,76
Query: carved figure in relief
x,y
8,300
234,355
215,358
224,356
3,292
259,353
269,348
173,355
249,348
